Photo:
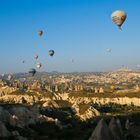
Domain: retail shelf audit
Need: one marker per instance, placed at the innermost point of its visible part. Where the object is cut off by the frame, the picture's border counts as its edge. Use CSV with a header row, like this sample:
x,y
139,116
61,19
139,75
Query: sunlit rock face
x,y
7,90
35,85
7,94
89,113
103,101
18,99
101,90
64,96
51,104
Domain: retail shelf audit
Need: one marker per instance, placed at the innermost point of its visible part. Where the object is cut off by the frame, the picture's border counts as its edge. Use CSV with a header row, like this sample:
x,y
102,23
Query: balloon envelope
x,y
51,52
108,50
39,65
36,57
118,17
32,71
40,33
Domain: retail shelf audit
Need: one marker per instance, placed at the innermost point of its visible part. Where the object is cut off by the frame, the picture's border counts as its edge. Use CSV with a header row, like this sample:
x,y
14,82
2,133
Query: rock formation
x,y
101,132
115,129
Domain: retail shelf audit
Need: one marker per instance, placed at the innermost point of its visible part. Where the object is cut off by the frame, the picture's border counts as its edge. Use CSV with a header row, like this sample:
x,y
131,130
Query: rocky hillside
x,y
29,114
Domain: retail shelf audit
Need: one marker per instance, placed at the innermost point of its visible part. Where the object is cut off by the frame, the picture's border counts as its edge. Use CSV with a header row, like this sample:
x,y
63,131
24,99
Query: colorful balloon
x,y
51,52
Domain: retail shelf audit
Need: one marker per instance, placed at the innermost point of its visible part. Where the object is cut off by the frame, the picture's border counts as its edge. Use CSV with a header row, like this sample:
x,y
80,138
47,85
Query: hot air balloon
x,y
51,52
118,17
10,76
40,33
72,60
32,71
23,61
108,50
38,65
36,57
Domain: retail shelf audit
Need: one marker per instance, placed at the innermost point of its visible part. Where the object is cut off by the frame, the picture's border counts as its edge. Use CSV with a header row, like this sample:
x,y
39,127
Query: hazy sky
x,y
76,29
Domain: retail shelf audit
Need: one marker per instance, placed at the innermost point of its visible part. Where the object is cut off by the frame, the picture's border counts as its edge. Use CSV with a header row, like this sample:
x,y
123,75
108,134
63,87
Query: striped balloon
x,y
118,17
51,52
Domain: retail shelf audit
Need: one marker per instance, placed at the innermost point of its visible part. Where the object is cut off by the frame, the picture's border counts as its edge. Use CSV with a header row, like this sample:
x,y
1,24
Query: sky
x,y
81,30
